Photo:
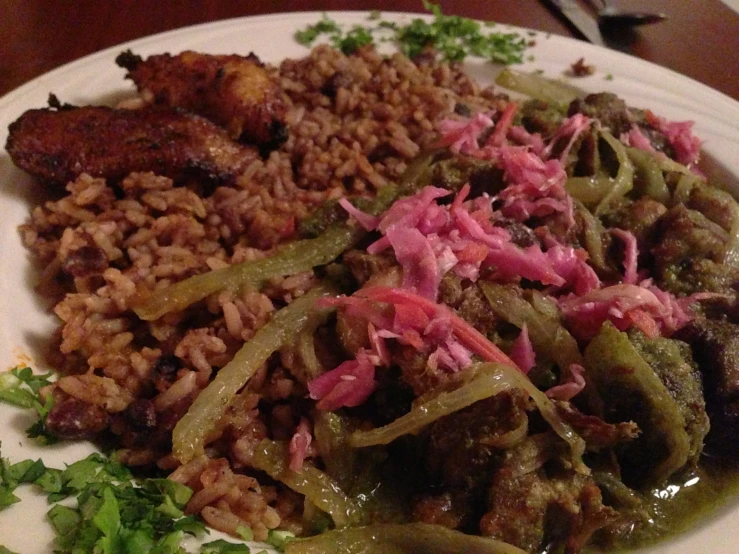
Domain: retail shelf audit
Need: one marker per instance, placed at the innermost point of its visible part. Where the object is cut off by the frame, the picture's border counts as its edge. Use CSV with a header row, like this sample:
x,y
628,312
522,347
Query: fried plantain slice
x,y
57,145
236,92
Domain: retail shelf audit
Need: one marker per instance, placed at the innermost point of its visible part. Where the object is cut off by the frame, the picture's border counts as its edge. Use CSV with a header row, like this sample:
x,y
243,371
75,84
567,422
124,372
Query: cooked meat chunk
x,y
464,447
481,175
614,114
688,254
415,370
606,107
59,145
716,204
638,217
716,348
365,266
596,432
469,302
673,363
464,450
236,92
521,235
539,117
535,508
445,509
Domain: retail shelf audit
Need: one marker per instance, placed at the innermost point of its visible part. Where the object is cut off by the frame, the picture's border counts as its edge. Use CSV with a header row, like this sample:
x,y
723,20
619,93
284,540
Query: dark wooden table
x,y
699,39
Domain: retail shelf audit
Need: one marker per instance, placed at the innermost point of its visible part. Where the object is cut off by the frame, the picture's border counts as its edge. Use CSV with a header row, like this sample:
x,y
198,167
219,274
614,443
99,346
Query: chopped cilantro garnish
x,y
20,387
356,37
113,513
609,77
374,15
452,36
4,550
325,26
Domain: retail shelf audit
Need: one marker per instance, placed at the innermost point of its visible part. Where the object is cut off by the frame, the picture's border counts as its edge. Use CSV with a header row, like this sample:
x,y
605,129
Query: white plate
x,y
25,324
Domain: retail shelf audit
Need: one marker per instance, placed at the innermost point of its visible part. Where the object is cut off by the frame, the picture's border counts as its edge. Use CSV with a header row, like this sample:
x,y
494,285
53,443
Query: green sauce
x,y
685,503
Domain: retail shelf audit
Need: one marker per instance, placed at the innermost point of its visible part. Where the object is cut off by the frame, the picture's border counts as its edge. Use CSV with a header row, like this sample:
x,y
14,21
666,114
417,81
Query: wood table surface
x,y
700,39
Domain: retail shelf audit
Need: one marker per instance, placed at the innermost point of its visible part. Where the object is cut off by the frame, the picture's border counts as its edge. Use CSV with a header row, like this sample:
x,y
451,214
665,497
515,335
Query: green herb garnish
x,y
111,512
325,26
452,36
357,37
20,387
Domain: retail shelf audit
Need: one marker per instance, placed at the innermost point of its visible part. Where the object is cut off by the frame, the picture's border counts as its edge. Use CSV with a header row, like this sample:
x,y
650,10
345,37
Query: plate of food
x,y
304,289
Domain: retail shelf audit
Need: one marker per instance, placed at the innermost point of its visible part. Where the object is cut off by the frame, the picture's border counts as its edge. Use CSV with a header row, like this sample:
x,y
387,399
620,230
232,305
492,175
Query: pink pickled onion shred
x,y
368,221
631,255
680,136
637,139
571,385
522,352
415,255
347,385
299,444
467,335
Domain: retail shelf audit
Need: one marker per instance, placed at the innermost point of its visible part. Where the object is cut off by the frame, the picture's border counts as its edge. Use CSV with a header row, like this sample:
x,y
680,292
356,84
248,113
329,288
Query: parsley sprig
x,y
20,387
452,36
112,513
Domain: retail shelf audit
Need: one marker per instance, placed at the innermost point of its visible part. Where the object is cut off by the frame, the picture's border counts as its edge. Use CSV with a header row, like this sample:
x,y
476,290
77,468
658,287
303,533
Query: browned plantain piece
x,y
234,91
59,145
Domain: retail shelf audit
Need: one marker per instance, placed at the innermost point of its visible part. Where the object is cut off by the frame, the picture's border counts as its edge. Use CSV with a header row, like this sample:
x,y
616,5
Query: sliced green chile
x,y
298,256
191,432
481,381
593,231
600,190
547,335
631,390
648,175
538,87
392,538
331,430
317,486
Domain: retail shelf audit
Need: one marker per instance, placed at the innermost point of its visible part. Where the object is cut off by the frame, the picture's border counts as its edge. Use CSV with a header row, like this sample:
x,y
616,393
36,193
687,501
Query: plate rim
x,y
731,506
22,89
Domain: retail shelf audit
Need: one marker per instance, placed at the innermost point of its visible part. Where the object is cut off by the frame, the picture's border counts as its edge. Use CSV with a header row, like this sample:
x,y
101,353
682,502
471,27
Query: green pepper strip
x,y
190,433
601,189
271,457
395,538
481,386
624,180
547,90
593,231
649,175
487,379
548,335
298,256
